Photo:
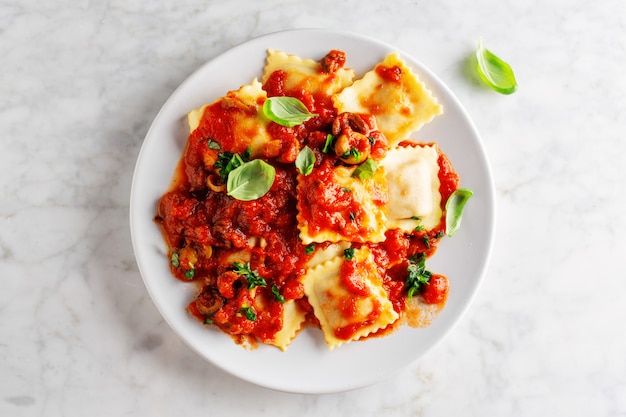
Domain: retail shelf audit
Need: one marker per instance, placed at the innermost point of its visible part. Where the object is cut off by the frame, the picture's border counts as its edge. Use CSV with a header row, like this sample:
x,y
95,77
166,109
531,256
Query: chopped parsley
x,y
352,153
175,260
418,275
365,170
329,143
253,278
309,249
348,254
190,273
228,161
213,145
248,312
277,295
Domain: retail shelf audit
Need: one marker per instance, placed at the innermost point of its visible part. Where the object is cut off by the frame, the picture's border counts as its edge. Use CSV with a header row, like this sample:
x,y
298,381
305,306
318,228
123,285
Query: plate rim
x,y
489,237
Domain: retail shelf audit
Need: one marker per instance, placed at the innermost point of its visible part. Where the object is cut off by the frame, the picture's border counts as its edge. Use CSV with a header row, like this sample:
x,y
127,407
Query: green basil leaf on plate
x,y
305,161
366,169
286,111
495,72
250,180
454,209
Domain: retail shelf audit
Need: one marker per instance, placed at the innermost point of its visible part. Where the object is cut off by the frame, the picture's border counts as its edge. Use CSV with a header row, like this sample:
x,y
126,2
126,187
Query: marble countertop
x,y
80,83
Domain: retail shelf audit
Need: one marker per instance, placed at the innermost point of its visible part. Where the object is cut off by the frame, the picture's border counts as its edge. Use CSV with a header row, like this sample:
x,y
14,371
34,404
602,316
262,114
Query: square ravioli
x,y
334,206
413,182
236,122
348,298
394,94
306,75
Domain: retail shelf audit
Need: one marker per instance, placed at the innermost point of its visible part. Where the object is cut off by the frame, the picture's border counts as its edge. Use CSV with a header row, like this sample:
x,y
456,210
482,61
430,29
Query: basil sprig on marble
x,y
286,111
250,180
495,72
454,209
305,161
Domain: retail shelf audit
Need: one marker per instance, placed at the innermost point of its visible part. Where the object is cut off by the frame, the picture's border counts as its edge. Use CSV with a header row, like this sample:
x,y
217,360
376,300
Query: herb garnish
x,y
495,72
305,161
328,145
213,144
252,277
248,312
454,209
348,254
365,170
250,180
286,111
228,161
277,295
352,153
175,260
418,275
190,273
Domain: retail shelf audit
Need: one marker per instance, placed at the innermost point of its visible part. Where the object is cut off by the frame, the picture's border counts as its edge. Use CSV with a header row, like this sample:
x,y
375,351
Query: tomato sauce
x,y
207,232
393,73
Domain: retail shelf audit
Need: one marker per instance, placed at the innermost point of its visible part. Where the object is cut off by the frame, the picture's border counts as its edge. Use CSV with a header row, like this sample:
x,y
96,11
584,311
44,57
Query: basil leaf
x,y
226,162
330,139
253,277
189,274
496,73
277,295
454,209
305,161
250,180
365,170
213,145
248,312
286,111
353,152
175,260
418,275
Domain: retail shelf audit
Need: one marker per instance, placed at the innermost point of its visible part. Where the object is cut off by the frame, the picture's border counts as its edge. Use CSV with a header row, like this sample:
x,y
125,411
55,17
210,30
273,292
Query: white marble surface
x,y
81,81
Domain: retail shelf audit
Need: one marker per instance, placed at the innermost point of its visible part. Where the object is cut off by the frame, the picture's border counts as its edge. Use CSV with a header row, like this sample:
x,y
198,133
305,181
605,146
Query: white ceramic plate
x,y
308,366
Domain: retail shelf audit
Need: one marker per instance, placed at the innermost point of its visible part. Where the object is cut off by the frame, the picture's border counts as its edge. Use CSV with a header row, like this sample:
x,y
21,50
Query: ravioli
x,y
413,184
293,319
236,122
334,206
306,75
331,249
400,101
348,298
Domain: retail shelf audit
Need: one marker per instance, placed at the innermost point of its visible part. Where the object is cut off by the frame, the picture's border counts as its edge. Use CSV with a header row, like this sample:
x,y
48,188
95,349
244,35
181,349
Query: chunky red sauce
x,y
393,73
207,232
